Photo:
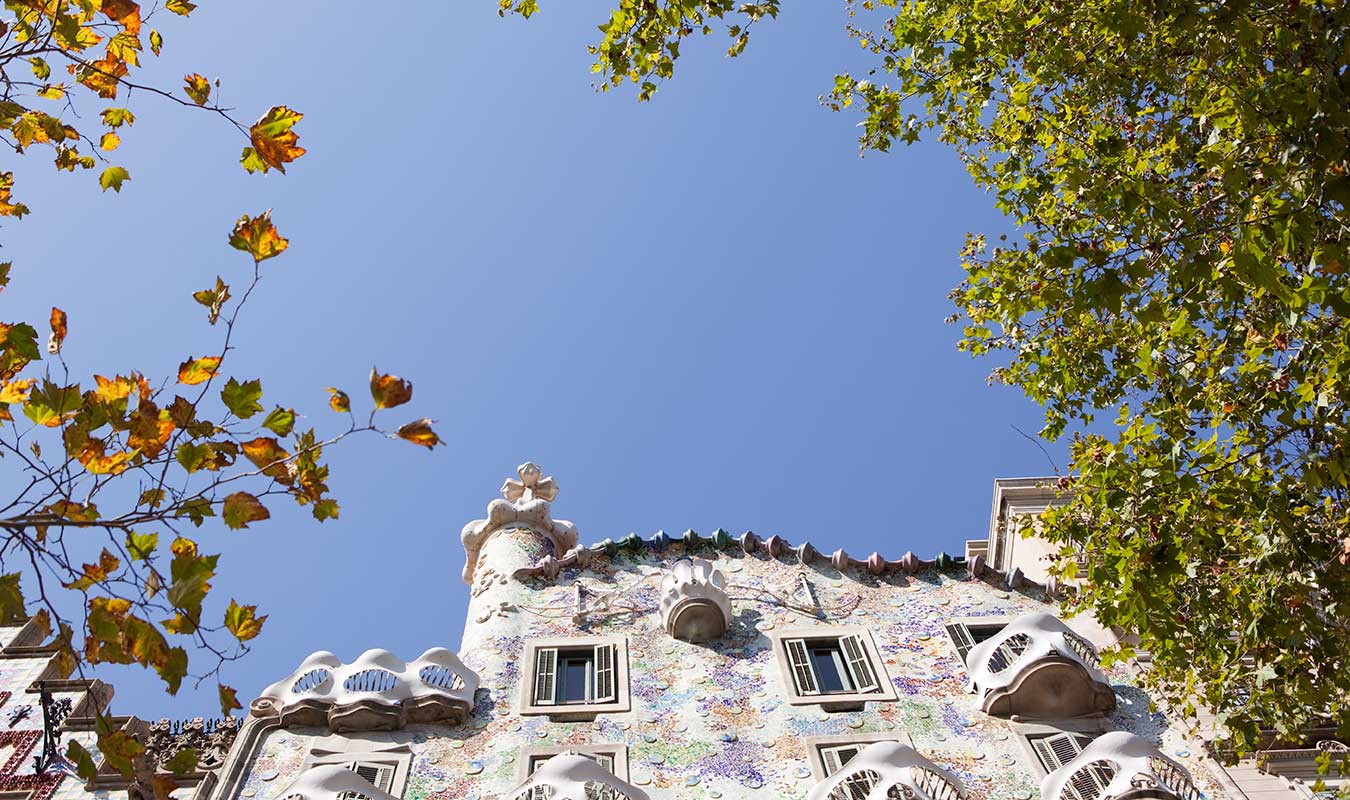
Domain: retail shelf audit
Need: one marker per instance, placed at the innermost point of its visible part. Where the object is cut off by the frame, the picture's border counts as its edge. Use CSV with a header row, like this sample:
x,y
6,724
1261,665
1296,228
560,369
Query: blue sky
x,y
704,311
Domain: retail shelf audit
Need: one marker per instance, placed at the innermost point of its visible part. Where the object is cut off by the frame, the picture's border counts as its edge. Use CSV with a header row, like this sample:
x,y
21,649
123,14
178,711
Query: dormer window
x,y
837,668
576,677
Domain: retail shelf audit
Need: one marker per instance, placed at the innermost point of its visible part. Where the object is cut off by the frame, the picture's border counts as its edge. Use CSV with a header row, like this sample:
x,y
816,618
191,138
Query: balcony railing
x,y
1120,766
889,771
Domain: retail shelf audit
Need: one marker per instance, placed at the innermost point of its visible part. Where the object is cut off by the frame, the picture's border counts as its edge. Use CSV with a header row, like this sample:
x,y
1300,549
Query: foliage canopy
x,y
112,474
1174,297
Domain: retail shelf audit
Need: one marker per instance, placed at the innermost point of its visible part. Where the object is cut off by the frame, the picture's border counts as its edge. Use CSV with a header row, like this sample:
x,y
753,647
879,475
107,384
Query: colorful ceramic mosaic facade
x,y
707,720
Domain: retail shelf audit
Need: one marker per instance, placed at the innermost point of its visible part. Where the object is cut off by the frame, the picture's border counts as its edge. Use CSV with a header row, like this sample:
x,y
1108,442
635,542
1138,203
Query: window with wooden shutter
x,y
545,676
1054,751
966,635
834,758
859,665
604,673
379,775
803,677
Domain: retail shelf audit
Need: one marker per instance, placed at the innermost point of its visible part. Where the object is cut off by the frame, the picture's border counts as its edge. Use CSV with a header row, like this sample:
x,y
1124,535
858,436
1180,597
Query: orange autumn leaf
x,y
149,433
197,87
419,432
124,12
268,455
274,143
389,390
112,390
8,208
59,330
198,370
258,237
95,459
339,401
102,76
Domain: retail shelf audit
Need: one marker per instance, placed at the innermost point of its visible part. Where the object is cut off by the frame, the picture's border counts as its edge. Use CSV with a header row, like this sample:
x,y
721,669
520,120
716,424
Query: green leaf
x,y
12,608
243,622
113,178
242,398
140,546
280,421
85,767
183,762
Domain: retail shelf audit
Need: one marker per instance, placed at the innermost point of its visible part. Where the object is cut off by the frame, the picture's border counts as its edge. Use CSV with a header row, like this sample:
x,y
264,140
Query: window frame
x,y
816,745
1026,731
616,700
870,655
616,751
340,751
965,624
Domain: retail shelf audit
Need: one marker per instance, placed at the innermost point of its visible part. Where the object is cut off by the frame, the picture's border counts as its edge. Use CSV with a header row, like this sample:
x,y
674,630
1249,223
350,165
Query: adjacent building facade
x,y
716,666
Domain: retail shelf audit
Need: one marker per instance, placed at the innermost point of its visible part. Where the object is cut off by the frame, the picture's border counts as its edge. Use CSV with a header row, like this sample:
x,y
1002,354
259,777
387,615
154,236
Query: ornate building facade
x,y
706,667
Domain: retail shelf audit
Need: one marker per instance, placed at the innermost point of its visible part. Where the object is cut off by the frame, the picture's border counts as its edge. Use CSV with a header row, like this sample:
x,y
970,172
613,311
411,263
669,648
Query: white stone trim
x,y
567,774
529,659
837,701
615,750
814,744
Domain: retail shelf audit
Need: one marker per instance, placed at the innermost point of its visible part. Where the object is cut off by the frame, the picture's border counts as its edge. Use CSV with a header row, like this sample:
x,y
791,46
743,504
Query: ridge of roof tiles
x,y
776,546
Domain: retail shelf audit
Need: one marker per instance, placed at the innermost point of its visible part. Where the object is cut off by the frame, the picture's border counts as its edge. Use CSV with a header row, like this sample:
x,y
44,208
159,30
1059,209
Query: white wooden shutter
x,y
1058,750
545,676
604,673
381,776
859,666
799,660
834,758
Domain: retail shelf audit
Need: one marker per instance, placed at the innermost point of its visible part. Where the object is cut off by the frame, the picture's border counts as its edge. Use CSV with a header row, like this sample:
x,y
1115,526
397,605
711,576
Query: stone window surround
x,y
529,660
832,702
814,744
341,749
615,750
1026,731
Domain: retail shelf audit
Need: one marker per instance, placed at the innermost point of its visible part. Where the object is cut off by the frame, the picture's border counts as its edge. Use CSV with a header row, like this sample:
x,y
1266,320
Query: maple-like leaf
x,y
197,87
274,143
58,323
258,237
420,432
8,208
241,508
198,370
103,75
113,178
229,699
109,142
389,390
213,299
243,621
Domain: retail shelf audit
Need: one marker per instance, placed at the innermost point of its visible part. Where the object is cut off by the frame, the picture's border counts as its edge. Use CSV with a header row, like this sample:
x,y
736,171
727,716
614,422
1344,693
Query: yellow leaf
x,y
52,92
274,143
339,401
197,87
420,432
16,391
110,141
243,621
198,370
110,391
389,390
258,237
